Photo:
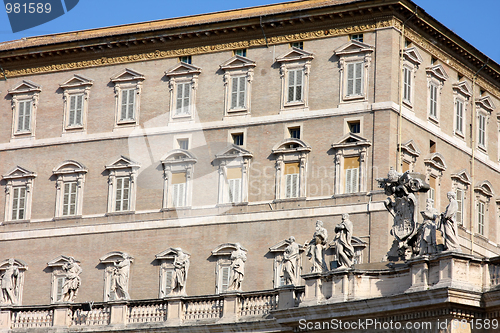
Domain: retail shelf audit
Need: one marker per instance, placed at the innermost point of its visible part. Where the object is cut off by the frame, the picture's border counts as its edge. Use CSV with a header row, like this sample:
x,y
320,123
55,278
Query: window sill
x,y
72,217
289,199
173,209
294,104
182,116
241,110
482,237
408,104
434,120
126,122
15,222
352,98
459,134
231,204
129,212
482,149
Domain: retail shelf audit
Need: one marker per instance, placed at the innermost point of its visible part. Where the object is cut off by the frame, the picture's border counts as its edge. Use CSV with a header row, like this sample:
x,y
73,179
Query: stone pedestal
x,y
419,271
118,315
339,286
313,288
5,319
174,311
61,316
286,297
231,306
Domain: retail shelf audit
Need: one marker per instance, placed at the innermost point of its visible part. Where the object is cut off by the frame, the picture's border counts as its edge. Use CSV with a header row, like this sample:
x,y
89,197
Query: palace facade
x,y
233,131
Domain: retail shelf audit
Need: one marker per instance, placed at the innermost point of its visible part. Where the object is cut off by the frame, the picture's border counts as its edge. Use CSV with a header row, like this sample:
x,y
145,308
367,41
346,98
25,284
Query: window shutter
x,y
186,103
59,289
291,85
66,199
15,204
18,202
72,110
179,194
169,272
131,104
460,206
123,114
72,201
242,92
126,193
298,88
348,177
354,180
350,79
79,110
27,115
234,93
295,185
224,278
234,190
359,75
20,120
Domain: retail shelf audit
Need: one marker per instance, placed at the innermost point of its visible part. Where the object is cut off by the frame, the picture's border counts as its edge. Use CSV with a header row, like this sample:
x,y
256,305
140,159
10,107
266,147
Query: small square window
x,y
237,139
183,143
407,43
241,52
299,45
186,59
357,37
432,146
354,126
294,132
433,61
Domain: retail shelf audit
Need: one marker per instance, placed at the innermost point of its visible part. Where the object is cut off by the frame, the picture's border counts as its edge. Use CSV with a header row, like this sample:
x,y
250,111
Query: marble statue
x,y
72,280
402,203
120,277
448,224
343,246
10,284
315,248
290,264
181,267
427,239
238,259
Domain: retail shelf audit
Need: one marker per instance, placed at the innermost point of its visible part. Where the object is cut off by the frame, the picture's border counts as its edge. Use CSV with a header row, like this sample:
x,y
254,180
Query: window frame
x,y
237,67
175,162
182,74
76,86
166,260
25,92
461,182
233,157
127,80
122,168
18,178
411,63
69,172
108,261
435,165
436,76
223,255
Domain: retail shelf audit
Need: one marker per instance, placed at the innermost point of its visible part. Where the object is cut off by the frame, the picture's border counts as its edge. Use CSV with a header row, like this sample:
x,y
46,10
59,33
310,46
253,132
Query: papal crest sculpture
x,y
402,203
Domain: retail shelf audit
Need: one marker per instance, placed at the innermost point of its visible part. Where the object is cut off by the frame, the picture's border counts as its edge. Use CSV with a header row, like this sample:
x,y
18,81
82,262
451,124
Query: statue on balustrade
x,y
427,230
343,246
181,267
290,264
315,248
402,203
10,284
448,224
120,278
238,259
72,280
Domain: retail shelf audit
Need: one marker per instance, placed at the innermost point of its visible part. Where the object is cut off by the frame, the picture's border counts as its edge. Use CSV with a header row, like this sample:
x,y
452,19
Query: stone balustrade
x,y
170,311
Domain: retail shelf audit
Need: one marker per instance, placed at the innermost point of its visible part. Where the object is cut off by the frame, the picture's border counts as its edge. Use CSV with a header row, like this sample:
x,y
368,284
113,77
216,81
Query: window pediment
x,y
463,87
281,246
353,47
237,62
227,249
183,68
77,81
486,103
179,156
26,86
233,151
485,188
21,265
436,160
438,72
19,172
411,148
60,261
351,140
170,254
462,176
412,55
122,163
113,257
295,54
128,75
291,145
69,166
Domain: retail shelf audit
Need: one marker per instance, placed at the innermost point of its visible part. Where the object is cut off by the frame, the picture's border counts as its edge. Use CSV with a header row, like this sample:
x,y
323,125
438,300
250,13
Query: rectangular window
x,y
238,92
294,132
75,117
432,190
357,37
354,126
122,194
459,117
480,218
351,167
224,279
433,101
19,203
183,143
407,85
292,180
24,116
299,45
59,288
237,139
185,59
406,166
183,99
179,189
460,211
482,130
234,184
354,79
295,79
241,52
167,280
128,105
69,199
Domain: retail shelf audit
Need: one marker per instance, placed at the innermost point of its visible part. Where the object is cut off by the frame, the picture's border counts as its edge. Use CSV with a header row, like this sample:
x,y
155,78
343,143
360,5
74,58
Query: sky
x,y
477,22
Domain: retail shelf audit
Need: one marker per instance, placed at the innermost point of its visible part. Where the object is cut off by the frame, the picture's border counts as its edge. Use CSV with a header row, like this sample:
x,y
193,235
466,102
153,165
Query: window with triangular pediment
x,y
183,84
462,92
18,194
238,77
436,76
76,92
122,176
128,86
24,106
